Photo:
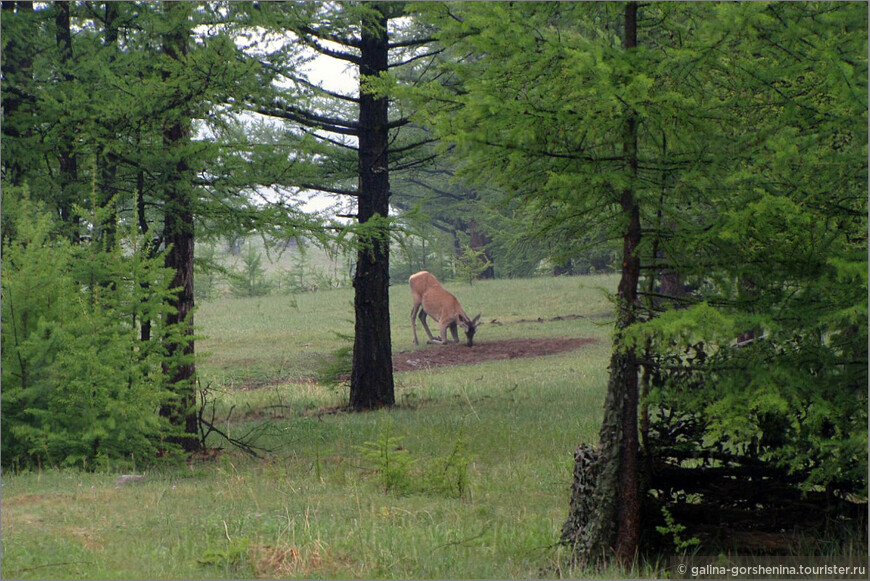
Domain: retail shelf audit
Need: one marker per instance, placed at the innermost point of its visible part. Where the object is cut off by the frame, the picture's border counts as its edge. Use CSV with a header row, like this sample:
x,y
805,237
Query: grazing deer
x,y
441,306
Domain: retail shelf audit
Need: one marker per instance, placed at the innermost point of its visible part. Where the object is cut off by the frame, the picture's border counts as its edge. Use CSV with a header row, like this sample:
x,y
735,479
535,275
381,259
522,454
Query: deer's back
x,y
437,301
423,282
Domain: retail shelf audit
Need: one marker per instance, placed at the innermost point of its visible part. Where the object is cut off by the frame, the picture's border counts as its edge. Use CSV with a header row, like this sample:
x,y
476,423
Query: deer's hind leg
x,y
414,310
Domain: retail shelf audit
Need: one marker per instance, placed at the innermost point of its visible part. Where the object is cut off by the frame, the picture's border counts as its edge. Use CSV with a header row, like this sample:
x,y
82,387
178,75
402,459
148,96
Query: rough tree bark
x,y
371,384
604,519
624,367
178,232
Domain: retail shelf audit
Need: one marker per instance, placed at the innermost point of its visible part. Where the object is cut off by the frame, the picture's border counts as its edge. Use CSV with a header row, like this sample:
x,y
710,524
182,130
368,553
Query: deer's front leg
x,y
443,330
437,340
453,331
426,325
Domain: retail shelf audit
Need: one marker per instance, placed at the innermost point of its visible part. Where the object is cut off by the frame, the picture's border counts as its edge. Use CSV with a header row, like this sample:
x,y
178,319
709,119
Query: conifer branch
x,y
342,40
412,146
417,57
307,32
311,119
438,191
411,42
334,142
413,164
330,190
307,83
401,122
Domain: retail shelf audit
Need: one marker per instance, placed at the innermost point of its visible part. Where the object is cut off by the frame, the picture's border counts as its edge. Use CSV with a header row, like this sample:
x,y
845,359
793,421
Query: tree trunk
x,y
179,238
108,164
564,268
371,384
623,389
610,523
67,159
623,366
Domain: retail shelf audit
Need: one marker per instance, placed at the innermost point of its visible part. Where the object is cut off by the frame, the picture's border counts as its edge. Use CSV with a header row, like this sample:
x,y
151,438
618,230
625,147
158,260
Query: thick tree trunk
x,y
624,367
178,234
371,383
609,524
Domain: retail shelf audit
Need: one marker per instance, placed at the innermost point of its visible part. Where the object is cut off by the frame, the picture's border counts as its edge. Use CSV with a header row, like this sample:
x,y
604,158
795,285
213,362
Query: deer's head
x,y
470,327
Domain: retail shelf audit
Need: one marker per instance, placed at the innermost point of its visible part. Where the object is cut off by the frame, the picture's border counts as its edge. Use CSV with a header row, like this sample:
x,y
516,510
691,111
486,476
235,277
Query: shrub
x,y
401,473
78,383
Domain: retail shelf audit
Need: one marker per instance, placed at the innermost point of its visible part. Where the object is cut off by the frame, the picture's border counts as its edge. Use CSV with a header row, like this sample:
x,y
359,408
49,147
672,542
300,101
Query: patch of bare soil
x,y
461,354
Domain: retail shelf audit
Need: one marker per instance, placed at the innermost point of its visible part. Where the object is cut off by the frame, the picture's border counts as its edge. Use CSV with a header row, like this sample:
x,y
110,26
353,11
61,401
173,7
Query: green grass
x,y
277,337
314,508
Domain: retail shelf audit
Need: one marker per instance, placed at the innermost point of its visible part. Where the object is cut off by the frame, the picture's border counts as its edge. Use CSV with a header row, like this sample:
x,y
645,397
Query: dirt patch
x,y
460,354
430,356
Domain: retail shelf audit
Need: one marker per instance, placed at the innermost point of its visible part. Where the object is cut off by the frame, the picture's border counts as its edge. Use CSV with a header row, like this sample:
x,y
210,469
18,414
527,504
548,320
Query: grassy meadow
x,y
468,477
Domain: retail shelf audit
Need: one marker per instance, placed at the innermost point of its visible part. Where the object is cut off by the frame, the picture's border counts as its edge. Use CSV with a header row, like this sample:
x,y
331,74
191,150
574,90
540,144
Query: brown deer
x,y
441,306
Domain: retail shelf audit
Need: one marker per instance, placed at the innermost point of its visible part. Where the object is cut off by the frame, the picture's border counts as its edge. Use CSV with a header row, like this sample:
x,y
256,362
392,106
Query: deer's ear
x,y
475,320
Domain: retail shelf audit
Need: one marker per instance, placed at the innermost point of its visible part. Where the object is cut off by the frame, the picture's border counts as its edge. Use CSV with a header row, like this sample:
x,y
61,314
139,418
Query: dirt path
x,y
438,355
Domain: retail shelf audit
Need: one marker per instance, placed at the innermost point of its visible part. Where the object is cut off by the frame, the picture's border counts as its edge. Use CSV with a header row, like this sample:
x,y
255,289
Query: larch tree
x,y
765,366
550,91
433,197
673,124
348,142
98,382
178,228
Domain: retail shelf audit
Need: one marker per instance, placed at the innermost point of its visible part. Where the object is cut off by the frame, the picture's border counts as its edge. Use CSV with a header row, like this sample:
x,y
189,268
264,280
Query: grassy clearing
x,y
278,337
316,508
